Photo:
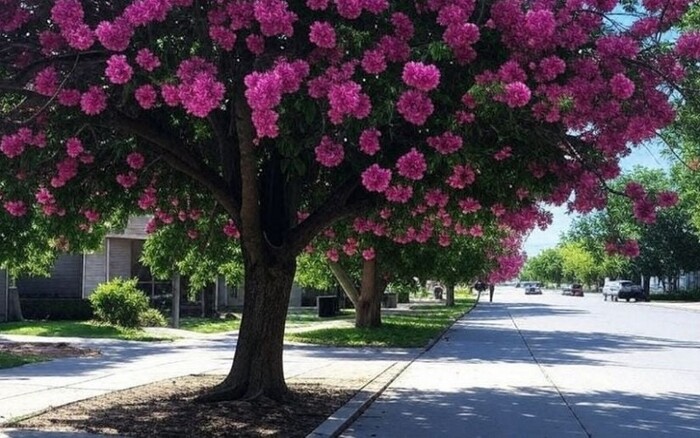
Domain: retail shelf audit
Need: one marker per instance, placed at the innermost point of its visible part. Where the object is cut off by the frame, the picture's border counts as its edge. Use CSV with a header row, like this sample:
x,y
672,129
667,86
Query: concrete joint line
x,y
548,377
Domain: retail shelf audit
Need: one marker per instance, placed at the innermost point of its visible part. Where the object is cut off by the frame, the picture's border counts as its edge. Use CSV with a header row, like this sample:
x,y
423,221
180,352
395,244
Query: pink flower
x,y
317,5
147,60
635,190
15,208
621,86
328,153
629,248
127,180
412,165
201,95
517,94
146,96
93,101
332,255
503,154
115,36
91,215
12,145
688,45
469,205
376,179
135,160
415,107
498,210
666,199
368,254
476,231
231,230
399,194
421,76
322,34
369,141
118,69
67,13
223,36
170,94
446,143
79,37
74,147
644,211
461,177
256,44
46,81
373,62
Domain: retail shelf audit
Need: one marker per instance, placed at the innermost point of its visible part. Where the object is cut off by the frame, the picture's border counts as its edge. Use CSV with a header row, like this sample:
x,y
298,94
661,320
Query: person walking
x,y
491,289
480,286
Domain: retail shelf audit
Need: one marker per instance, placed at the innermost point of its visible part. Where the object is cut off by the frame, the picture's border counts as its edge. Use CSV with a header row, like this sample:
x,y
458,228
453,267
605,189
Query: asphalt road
x,y
550,366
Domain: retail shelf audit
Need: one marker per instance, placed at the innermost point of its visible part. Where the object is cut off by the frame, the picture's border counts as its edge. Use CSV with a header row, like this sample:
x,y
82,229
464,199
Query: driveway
x,y
550,366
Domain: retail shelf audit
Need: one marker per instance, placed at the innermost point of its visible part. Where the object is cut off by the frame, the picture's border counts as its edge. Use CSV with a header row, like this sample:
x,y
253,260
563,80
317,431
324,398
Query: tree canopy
x,y
275,119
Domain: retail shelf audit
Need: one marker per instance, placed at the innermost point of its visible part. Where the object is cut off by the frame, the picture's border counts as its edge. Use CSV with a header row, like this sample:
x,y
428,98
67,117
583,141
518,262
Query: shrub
x,y
119,302
152,318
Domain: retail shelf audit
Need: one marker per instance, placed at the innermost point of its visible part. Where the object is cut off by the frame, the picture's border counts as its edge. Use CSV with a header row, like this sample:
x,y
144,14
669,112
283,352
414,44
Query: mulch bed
x,y
166,409
48,350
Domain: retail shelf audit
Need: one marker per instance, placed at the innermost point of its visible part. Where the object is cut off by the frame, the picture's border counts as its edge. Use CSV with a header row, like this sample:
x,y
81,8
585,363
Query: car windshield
x,y
625,283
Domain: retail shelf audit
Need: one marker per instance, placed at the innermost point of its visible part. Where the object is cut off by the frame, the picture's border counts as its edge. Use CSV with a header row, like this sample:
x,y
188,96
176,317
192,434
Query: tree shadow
x,y
529,412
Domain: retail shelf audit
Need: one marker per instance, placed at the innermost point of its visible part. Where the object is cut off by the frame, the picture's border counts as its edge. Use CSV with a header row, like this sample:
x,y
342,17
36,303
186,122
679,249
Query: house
x,y
76,276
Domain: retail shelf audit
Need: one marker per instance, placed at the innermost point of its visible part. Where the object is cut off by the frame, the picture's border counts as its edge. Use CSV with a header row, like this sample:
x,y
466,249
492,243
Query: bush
x,y
152,318
681,295
56,309
119,302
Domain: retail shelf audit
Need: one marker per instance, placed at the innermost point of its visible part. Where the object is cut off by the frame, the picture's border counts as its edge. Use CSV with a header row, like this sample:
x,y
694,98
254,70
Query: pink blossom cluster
x,y
376,179
69,16
446,143
347,99
118,70
322,34
436,198
399,193
230,230
415,107
369,141
329,153
469,205
264,93
15,208
627,248
688,45
423,77
412,165
46,81
13,145
199,92
461,177
15,15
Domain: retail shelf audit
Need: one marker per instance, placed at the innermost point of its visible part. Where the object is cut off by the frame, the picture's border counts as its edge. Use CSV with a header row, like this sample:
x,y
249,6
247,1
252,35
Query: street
x,y
550,366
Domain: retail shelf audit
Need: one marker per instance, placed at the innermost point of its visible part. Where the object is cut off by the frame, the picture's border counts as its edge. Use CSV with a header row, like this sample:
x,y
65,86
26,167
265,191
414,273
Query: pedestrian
x,y
491,288
480,286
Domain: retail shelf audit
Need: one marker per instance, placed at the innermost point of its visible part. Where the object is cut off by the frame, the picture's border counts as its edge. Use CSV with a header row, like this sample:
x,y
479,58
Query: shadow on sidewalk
x,y
532,412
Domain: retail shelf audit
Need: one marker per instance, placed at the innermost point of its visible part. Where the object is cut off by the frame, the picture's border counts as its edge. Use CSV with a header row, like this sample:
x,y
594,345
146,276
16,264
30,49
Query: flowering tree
x,y
250,112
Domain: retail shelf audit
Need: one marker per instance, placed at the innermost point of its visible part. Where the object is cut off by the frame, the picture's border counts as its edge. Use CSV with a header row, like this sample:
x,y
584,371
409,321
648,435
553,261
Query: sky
x,y
648,155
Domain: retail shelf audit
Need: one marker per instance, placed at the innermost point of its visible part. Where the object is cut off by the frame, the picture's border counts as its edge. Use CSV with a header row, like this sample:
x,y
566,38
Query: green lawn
x,y
310,316
78,329
209,325
9,360
405,330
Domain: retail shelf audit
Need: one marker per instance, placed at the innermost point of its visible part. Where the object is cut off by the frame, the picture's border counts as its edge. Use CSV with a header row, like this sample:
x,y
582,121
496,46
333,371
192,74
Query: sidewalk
x,y
682,305
459,389
125,364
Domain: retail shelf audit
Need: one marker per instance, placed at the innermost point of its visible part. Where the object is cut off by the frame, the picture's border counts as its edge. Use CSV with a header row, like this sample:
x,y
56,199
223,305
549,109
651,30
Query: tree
x,y
546,266
260,110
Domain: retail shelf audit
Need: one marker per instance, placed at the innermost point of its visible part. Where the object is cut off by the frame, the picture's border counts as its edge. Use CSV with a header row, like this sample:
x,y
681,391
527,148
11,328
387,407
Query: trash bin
x,y
437,293
390,300
327,305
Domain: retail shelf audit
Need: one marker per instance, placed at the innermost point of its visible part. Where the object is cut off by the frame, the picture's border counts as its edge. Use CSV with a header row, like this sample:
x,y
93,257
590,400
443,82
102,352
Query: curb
x,y
341,419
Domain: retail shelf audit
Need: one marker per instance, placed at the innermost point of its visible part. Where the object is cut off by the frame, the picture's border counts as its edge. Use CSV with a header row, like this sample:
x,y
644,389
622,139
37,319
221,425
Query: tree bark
x,y
257,365
175,306
450,295
368,311
345,282
14,308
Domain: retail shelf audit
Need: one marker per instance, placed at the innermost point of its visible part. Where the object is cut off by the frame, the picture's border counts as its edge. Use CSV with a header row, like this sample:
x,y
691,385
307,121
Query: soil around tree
x,y
167,409
47,350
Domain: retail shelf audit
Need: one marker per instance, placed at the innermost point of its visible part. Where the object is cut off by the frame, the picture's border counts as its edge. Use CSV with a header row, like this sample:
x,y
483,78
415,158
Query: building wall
x,y
119,258
65,281
3,295
94,271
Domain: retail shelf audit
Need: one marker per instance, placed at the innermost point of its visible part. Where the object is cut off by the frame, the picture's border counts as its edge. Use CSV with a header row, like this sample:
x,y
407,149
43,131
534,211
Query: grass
x,y
401,330
9,360
77,329
209,325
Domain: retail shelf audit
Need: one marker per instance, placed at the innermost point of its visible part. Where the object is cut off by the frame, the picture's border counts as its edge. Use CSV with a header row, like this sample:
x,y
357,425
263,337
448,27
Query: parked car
x,y
623,289
566,290
533,289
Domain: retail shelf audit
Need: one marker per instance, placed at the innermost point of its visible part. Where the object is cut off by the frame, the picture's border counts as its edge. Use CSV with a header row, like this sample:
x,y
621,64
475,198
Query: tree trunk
x,y
257,365
345,282
14,308
450,295
175,306
368,312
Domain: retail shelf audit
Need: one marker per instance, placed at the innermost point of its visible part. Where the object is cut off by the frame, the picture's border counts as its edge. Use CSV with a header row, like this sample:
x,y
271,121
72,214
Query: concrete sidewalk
x,y
123,364
457,389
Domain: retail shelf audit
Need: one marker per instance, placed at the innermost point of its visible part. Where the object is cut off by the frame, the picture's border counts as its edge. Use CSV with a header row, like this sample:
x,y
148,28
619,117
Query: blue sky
x,y
648,155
